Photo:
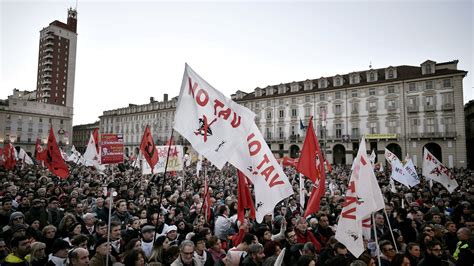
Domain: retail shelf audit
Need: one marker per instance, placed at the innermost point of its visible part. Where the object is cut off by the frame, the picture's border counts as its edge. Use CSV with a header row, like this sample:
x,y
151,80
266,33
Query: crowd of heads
x,y
122,217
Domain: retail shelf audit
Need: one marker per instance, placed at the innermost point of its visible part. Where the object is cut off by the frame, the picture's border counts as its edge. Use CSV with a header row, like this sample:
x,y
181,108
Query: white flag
x,y
302,191
369,195
254,158
393,189
211,122
372,157
398,173
24,156
199,165
363,197
435,170
410,171
91,157
76,157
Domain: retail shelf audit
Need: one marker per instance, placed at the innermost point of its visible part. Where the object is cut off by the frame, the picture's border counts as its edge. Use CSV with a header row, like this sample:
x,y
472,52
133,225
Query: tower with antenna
x,y
57,61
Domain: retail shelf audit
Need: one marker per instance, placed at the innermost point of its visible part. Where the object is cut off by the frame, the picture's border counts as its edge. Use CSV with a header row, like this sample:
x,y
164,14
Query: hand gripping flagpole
x,y
376,240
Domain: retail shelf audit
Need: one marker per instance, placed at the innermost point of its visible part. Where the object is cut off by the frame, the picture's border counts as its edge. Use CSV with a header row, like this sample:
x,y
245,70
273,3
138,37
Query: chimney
x,y
165,97
152,99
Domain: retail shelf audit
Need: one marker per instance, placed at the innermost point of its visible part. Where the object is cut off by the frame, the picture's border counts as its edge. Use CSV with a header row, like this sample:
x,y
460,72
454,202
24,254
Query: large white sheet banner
x,y
175,161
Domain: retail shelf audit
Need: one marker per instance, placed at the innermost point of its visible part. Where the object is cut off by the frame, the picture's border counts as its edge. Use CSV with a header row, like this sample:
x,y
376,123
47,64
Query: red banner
x,y
111,148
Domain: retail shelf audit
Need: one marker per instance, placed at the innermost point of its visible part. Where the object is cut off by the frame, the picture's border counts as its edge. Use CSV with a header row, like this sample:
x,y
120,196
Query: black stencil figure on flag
x,y
204,127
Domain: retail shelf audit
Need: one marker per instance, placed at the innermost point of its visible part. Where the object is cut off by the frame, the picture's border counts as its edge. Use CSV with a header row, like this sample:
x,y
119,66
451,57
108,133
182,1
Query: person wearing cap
x,y
148,233
59,253
201,255
19,230
20,247
171,233
102,249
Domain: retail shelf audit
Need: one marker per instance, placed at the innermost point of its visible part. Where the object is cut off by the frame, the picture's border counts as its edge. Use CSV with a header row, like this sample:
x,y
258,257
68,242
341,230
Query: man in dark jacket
x,y
433,255
20,247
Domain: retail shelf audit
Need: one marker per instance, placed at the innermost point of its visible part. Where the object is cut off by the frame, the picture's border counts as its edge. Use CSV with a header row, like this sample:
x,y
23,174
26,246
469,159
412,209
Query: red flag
x,y
95,134
148,148
40,154
9,156
53,158
244,198
206,205
309,155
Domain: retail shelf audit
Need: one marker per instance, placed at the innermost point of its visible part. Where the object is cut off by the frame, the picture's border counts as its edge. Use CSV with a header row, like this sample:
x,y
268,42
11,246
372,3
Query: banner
x,y
211,122
111,148
435,170
175,161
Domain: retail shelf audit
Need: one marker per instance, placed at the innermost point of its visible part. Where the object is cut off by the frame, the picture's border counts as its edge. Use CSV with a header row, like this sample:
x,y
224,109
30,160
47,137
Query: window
x,y
372,106
293,130
371,91
391,104
338,95
338,130
355,108
281,134
338,82
268,133
355,132
430,125
269,114
323,83
412,87
9,116
371,76
391,89
338,109
307,111
353,80
294,112
322,97
373,127
414,125
307,98
61,121
429,101
390,74
428,69
281,113
447,83
392,123
293,100
280,101
322,110
429,85
354,93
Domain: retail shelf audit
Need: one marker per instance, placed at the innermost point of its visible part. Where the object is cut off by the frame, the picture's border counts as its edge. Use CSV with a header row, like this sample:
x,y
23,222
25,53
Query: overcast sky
x,y
129,51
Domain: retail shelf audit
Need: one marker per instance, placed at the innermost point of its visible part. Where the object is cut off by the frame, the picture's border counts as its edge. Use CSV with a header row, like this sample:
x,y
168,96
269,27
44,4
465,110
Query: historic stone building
x,y
469,113
81,135
402,108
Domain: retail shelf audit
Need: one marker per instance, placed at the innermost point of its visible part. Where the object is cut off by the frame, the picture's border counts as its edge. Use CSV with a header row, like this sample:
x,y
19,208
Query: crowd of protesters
x,y
158,220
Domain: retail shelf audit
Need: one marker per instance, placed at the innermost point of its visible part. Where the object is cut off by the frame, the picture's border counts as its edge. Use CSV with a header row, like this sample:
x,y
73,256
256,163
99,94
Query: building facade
x,y
81,135
26,116
23,120
469,114
57,62
401,108
131,121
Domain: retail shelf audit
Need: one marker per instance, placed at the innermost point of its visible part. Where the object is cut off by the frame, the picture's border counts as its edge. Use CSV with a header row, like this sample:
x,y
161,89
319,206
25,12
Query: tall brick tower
x,y
57,62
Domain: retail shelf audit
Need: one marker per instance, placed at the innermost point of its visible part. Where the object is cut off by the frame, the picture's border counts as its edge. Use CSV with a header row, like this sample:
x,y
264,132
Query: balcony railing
x,y
413,108
429,108
448,106
448,134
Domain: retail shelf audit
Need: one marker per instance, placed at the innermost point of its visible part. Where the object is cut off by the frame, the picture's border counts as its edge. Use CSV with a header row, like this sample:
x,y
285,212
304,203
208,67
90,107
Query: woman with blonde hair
x,y
37,254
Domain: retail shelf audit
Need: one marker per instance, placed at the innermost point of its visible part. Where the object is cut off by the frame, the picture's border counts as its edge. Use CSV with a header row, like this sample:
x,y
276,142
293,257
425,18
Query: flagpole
x,y
166,167
376,240
390,227
205,193
111,196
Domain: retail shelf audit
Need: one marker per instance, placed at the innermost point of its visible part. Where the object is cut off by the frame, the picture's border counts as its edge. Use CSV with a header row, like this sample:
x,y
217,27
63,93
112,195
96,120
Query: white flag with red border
x,y
435,170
